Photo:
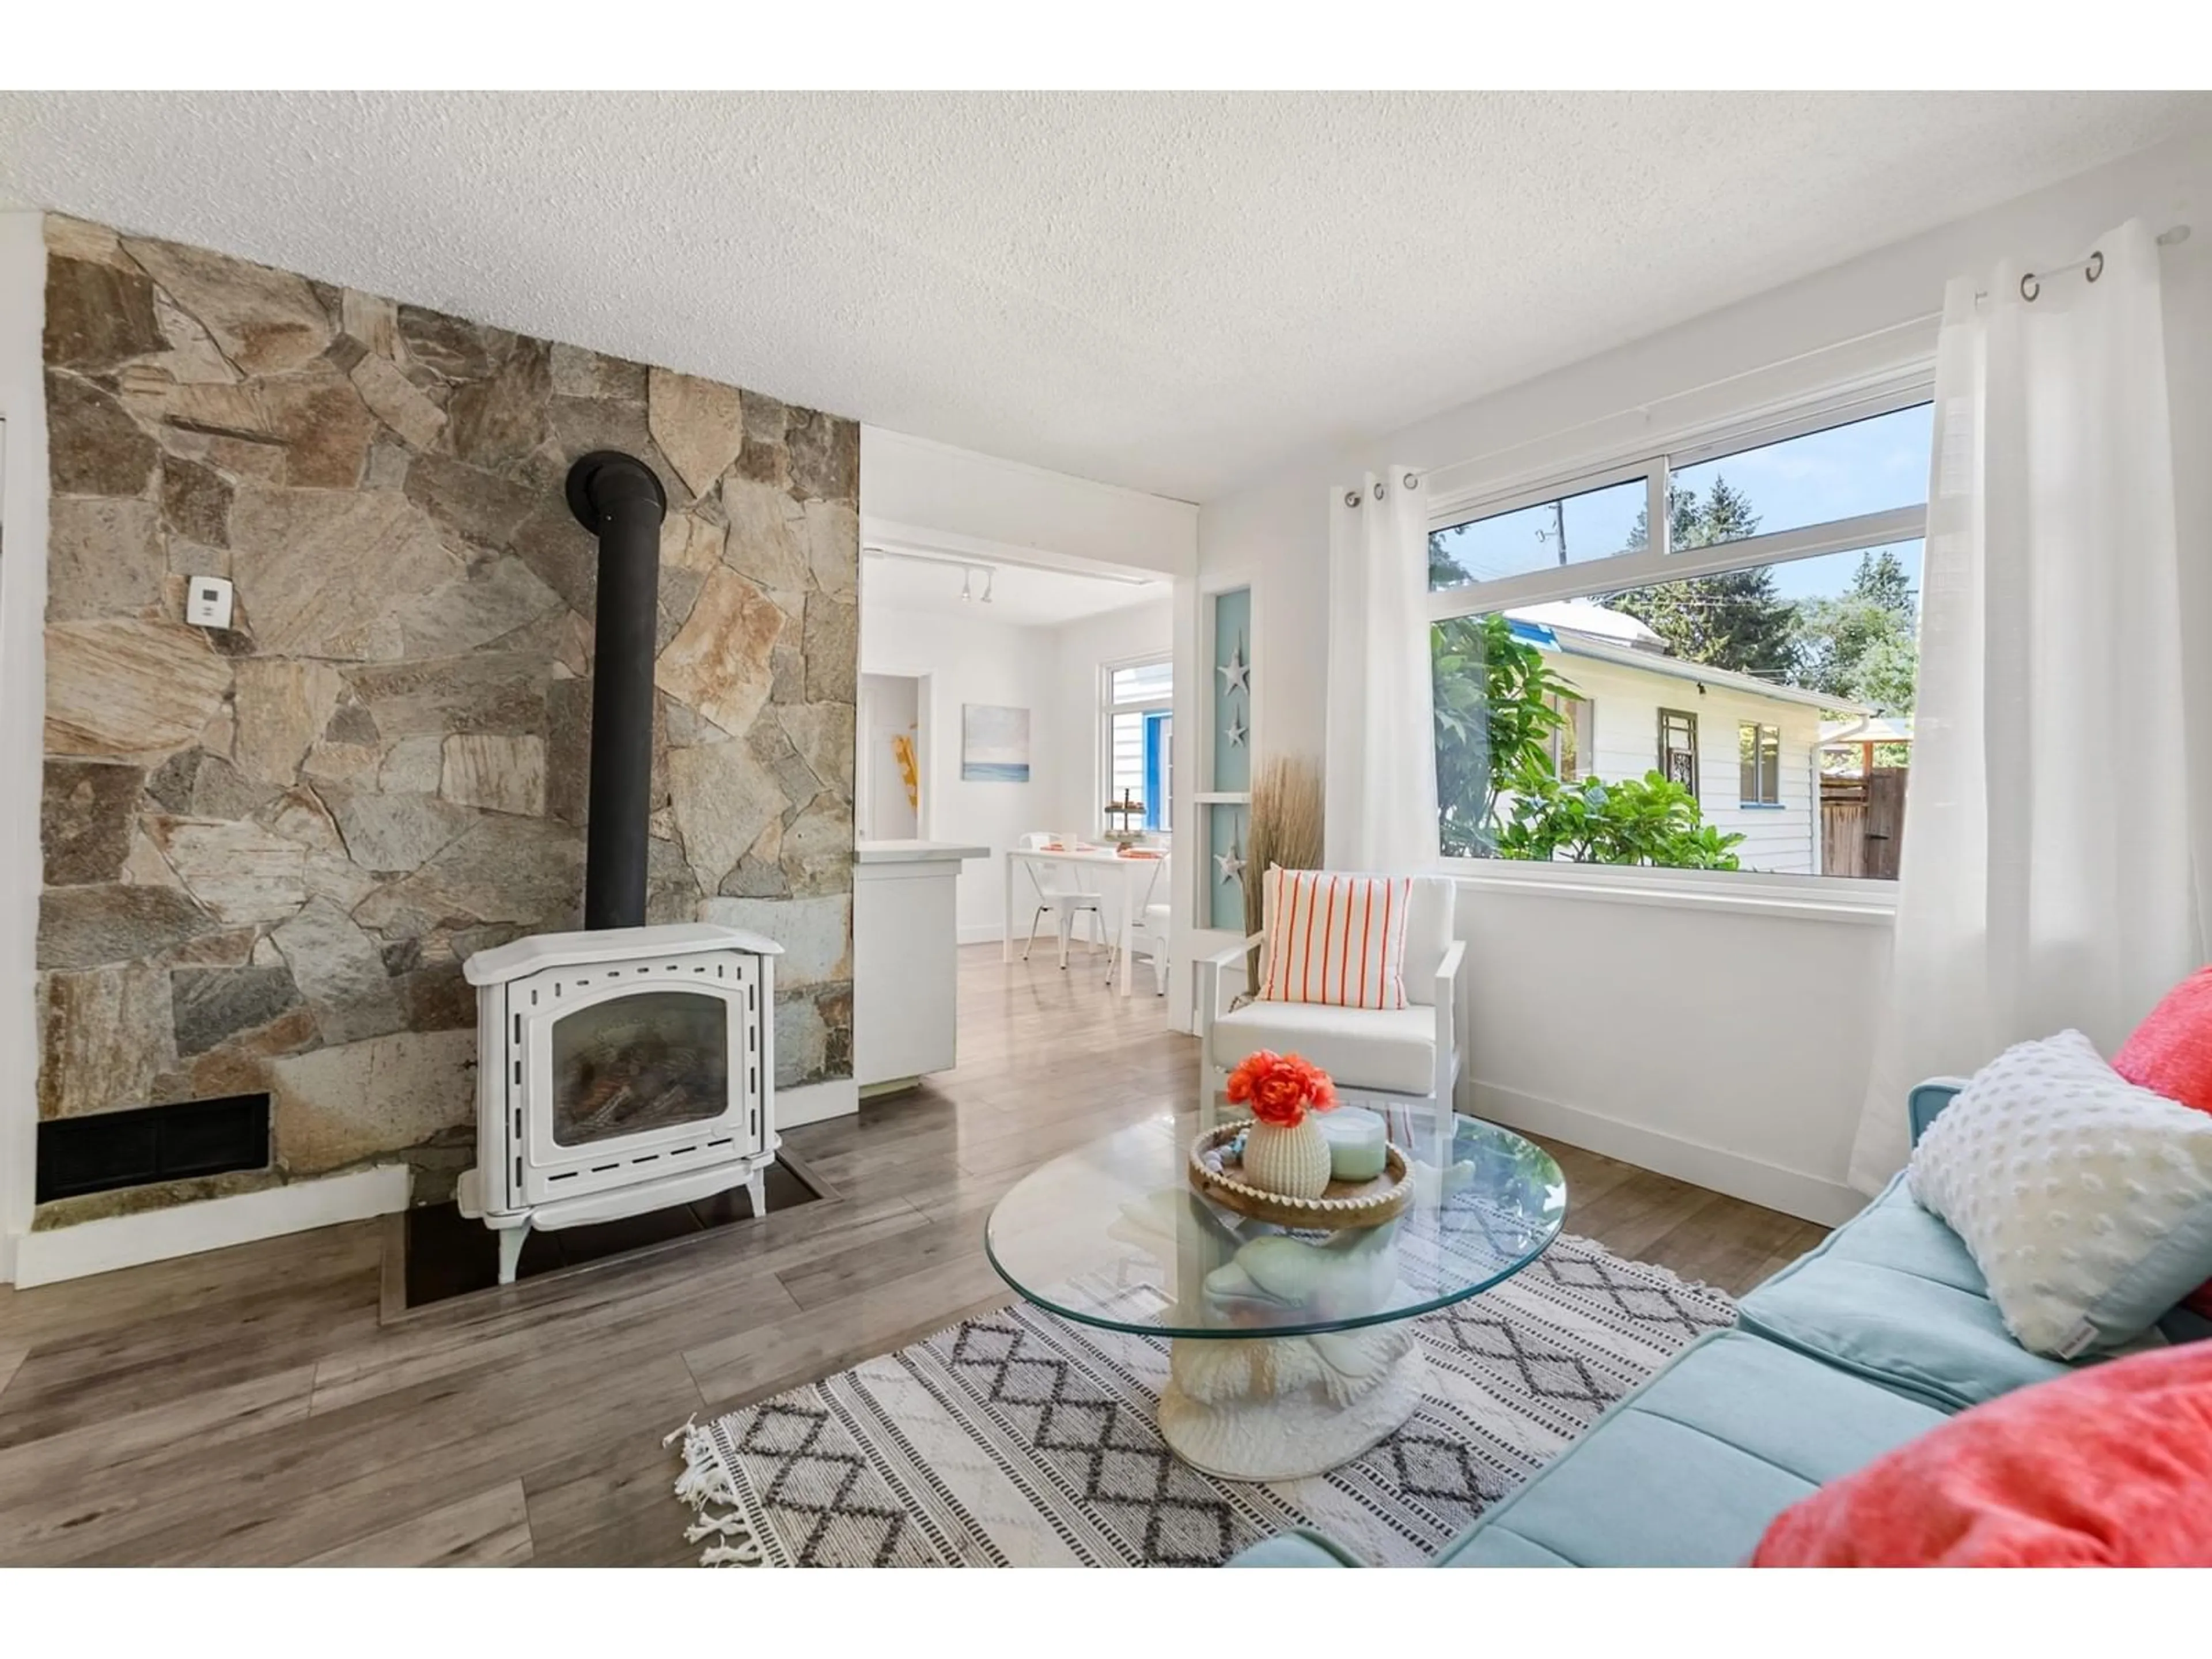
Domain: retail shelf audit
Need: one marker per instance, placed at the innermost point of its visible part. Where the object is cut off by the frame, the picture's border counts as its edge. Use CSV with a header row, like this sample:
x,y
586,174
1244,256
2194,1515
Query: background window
x,y
1140,741
1142,682
1760,751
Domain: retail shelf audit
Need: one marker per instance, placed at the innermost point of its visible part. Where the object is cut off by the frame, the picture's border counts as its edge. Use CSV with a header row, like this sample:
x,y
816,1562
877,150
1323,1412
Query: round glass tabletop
x,y
1112,1235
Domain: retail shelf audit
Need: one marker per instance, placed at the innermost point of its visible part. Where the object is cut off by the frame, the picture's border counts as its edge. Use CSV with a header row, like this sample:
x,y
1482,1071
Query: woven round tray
x,y
1217,1174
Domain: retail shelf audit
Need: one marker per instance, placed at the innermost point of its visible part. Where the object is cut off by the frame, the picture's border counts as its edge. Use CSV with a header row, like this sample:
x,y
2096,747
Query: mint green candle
x,y
1357,1142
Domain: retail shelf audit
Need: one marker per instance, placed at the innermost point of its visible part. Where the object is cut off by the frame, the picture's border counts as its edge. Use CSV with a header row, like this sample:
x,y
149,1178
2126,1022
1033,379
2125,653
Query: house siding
x,y
1781,840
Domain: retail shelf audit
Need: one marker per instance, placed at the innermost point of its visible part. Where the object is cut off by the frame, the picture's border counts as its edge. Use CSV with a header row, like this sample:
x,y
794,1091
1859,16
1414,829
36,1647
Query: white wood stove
x,y
624,1068
620,1070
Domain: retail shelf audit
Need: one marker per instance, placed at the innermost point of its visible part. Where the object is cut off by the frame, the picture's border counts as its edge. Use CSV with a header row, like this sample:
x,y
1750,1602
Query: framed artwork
x,y
994,744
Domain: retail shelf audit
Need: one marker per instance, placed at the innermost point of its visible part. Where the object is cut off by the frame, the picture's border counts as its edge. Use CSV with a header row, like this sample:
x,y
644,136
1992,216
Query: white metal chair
x,y
1152,943
1060,891
1383,1057
1149,935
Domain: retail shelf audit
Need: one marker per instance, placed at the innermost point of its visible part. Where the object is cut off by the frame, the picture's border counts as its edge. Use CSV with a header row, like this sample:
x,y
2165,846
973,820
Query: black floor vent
x,y
79,1155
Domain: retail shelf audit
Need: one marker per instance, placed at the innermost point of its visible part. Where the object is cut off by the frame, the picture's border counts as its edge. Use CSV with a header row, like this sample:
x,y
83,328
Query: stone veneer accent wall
x,y
268,850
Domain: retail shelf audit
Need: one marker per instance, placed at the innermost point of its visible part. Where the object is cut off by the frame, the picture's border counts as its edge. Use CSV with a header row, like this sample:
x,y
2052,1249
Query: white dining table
x,y
1128,891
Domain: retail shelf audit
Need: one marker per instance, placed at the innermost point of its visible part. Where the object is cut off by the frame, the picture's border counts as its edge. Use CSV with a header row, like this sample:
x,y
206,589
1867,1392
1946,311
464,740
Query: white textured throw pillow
x,y
2086,1202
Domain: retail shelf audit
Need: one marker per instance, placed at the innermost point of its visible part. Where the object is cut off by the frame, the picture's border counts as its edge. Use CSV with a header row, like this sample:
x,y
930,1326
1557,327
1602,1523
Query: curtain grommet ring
x,y
2096,268
1351,498
1412,481
1378,489
2029,288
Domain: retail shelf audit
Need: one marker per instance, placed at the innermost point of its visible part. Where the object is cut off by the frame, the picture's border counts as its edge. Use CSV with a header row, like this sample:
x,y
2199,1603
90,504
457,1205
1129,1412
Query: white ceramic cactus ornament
x,y
1293,1162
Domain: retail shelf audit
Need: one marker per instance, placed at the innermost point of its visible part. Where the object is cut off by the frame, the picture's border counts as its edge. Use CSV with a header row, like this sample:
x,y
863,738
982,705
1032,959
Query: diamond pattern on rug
x,y
1109,1452
831,1507
1545,1374
1438,1470
1021,1436
1647,1303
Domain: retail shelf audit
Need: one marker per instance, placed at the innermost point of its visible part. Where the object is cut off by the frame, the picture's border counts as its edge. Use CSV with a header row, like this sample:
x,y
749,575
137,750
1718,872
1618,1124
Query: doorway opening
x,y
888,779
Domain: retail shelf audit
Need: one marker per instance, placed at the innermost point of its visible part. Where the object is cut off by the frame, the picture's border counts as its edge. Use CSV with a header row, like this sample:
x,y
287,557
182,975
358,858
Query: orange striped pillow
x,y
1336,939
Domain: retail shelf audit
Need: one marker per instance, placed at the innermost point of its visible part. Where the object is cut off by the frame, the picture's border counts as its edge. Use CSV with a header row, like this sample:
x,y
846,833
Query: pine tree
x,y
1881,579
1733,621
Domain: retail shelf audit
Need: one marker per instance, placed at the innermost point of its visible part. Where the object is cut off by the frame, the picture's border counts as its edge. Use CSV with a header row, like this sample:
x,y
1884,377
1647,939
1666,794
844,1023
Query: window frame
x,y
1108,708
1761,778
1688,719
1847,898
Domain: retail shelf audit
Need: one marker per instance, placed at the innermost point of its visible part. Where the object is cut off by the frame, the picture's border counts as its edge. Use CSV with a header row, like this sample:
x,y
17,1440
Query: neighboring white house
x,y
1750,750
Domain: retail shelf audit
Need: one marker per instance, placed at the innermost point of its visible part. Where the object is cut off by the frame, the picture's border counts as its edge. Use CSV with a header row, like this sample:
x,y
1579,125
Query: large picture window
x,y
1597,646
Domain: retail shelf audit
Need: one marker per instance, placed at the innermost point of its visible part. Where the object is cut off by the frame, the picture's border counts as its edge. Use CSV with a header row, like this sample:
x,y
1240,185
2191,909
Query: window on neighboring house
x,y
1571,742
1758,749
1678,749
1139,742
1779,592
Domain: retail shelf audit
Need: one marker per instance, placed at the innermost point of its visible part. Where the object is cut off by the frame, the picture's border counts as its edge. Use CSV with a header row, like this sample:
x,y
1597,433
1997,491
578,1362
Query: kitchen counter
x,y
915,852
906,965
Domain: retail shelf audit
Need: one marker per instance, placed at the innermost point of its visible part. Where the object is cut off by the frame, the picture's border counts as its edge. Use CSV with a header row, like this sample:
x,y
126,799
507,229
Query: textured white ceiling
x,y
1166,291
893,587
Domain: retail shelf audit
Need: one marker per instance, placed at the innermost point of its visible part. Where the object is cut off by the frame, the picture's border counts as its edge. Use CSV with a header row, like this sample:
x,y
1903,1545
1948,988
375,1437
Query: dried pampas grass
x,y
1285,827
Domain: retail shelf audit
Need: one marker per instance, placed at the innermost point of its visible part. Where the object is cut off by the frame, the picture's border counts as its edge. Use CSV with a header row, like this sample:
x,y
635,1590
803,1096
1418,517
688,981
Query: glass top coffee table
x,y
1292,1351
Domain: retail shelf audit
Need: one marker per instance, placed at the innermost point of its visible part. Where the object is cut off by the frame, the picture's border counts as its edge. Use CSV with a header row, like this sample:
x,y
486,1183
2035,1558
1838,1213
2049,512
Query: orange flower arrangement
x,y
1281,1089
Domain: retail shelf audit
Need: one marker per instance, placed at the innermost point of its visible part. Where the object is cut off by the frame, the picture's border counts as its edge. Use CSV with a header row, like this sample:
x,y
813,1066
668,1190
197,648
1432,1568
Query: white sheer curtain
x,y
1380,797
2047,877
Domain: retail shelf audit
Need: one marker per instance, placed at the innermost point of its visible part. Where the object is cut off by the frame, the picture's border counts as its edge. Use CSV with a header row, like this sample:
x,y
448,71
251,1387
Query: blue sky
x,y
1861,468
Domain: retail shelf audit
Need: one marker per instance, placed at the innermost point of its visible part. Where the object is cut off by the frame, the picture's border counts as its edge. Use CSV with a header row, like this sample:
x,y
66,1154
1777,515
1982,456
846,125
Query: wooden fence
x,y
1863,823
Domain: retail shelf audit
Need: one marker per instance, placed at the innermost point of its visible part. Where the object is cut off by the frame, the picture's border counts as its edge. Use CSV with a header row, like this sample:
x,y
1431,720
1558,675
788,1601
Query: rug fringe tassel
x,y
705,1482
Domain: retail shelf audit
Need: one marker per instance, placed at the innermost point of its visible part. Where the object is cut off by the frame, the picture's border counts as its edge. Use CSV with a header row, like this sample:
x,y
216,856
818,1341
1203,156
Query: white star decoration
x,y
1235,673
1231,863
1237,733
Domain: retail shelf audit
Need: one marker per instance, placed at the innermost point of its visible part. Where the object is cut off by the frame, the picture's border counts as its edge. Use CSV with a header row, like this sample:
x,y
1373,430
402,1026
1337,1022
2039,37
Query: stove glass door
x,y
650,1060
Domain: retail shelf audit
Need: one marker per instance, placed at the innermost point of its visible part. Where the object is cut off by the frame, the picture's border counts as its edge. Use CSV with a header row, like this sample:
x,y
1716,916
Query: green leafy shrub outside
x,y
1497,703
1647,820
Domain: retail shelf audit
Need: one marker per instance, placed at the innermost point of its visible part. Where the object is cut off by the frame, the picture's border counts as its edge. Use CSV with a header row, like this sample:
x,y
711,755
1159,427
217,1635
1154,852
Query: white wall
x,y
932,486
970,660
1079,650
1720,1046
22,703
1714,1042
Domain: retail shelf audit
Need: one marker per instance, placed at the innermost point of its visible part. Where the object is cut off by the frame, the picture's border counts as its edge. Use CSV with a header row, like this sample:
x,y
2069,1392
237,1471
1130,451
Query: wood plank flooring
x,y
258,1405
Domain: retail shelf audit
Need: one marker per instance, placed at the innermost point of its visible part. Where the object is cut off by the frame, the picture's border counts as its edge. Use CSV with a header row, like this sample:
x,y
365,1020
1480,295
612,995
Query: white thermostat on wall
x,y
207,602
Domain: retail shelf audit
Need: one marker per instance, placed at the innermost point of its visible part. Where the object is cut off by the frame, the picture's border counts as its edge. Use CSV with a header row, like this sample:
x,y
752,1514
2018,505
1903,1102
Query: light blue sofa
x,y
1874,1338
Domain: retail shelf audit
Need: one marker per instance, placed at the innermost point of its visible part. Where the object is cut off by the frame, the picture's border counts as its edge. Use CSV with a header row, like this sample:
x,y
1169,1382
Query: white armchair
x,y
1383,1057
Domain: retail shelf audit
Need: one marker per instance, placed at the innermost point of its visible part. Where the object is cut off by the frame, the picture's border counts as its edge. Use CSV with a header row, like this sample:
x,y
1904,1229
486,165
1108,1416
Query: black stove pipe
x,y
617,498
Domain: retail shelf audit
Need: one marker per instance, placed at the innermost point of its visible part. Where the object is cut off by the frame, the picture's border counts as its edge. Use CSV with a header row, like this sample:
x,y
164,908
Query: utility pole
x,y
1559,532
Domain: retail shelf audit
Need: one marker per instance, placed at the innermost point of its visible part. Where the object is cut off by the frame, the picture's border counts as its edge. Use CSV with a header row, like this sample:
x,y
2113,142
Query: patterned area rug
x,y
1022,1439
